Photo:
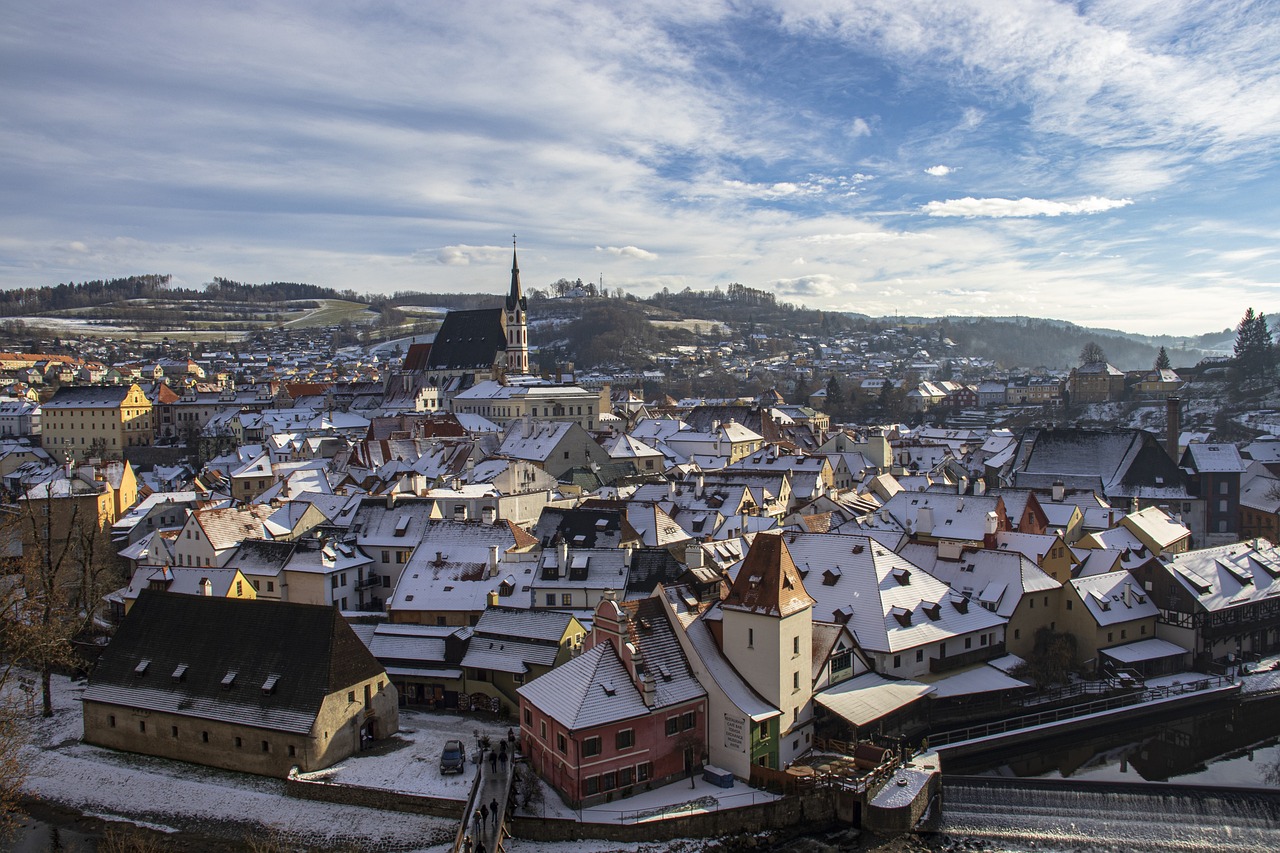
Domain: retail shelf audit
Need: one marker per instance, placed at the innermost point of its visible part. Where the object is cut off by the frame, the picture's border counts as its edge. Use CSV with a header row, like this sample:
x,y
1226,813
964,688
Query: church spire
x,y
515,299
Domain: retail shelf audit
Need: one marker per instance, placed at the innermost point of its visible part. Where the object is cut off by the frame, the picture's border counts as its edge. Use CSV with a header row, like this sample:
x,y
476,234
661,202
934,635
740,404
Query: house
x,y
579,578
81,421
1222,603
1214,474
1096,382
558,447
252,686
210,536
625,715
222,583
1106,611
512,646
539,400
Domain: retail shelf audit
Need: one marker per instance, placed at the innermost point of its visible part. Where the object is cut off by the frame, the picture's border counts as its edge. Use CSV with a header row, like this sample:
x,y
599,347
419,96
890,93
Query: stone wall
x,y
374,798
813,811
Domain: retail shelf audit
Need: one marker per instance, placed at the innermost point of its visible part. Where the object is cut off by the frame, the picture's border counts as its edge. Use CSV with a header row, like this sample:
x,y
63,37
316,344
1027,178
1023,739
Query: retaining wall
x,y
374,798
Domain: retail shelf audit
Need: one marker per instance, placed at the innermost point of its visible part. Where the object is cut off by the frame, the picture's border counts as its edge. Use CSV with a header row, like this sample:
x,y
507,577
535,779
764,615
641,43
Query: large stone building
x,y
100,421
255,686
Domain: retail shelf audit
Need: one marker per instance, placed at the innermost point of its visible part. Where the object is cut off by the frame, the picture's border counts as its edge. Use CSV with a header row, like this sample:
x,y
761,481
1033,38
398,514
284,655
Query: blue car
x,y
453,759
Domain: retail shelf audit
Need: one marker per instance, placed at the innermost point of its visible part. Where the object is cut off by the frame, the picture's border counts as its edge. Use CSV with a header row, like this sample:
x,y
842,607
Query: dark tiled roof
x,y
80,396
599,528
311,649
650,567
417,357
468,340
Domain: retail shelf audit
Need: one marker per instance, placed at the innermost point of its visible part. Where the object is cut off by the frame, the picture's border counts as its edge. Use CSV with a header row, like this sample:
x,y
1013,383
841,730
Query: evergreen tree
x,y
1162,360
1255,357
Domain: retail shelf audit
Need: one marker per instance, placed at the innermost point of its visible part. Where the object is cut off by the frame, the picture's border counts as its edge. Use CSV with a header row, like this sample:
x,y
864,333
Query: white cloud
x,y
463,255
628,252
998,208
938,171
817,286
859,128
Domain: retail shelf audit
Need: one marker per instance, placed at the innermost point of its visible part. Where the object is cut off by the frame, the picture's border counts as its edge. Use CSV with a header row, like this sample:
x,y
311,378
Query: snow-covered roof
x,y
1114,598
593,689
870,696
1228,575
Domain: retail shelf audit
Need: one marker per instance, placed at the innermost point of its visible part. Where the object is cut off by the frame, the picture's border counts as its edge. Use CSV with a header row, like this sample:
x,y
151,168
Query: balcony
x,y
369,582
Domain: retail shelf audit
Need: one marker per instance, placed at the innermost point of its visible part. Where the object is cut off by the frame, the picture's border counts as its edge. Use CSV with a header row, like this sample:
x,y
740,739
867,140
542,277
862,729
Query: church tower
x,y
515,321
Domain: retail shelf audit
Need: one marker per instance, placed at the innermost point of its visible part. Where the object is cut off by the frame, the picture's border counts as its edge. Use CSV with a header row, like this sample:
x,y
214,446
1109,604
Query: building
x,y
251,686
537,400
99,421
1096,382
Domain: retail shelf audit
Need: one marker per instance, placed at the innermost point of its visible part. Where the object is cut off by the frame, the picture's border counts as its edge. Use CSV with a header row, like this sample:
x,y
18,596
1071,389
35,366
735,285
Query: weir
x,y
1061,814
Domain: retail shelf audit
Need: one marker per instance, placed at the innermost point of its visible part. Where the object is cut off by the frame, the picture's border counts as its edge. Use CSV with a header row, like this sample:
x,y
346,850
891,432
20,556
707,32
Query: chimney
x,y
562,556
493,560
488,515
699,483
924,520
693,555
1059,491
460,512
1173,426
206,587
979,486
492,599
962,486
960,503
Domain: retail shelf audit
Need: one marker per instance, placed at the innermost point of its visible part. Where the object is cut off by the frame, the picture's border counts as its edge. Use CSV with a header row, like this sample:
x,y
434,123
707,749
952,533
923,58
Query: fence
x,y
1057,715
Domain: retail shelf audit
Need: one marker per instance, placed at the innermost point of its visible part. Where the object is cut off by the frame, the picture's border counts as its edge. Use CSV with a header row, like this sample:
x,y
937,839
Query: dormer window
x,y
269,686
180,673
229,680
141,668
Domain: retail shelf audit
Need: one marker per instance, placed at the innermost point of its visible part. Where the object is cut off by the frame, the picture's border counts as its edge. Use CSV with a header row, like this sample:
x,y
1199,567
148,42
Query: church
x,y
473,346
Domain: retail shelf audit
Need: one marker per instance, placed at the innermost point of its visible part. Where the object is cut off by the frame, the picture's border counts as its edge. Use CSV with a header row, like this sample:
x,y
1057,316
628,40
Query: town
x,y
265,560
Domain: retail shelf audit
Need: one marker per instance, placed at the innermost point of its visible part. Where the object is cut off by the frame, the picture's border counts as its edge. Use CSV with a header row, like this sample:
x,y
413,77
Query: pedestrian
x,y
493,809
484,815
502,756
502,747
466,844
493,760
480,848
478,821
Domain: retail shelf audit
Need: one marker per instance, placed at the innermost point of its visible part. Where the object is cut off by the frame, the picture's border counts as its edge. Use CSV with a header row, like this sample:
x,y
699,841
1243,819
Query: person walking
x,y
502,757
493,760
493,810
480,847
478,822
466,844
484,816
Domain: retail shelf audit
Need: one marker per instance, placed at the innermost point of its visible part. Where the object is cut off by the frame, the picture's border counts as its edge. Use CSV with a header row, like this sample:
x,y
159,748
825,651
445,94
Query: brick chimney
x,y
1173,426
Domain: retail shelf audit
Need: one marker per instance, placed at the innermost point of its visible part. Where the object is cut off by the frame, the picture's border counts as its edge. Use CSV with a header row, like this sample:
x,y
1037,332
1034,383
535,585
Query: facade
x,y
99,421
251,686
1097,382
536,400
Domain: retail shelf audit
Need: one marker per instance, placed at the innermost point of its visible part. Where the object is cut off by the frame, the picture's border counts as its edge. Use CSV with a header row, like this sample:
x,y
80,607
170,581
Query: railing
x,y
951,662
369,582
1057,715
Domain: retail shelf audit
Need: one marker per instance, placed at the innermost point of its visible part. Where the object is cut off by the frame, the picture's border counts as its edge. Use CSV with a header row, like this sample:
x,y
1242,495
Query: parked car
x,y
454,757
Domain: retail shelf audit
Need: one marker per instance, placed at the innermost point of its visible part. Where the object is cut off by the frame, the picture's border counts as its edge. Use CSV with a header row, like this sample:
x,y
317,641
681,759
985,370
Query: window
x,y
590,747
626,776
1124,633
1109,635
610,781
528,717
919,655
1144,629
551,599
386,556
592,785
1069,604
1017,633
687,720
239,743
111,721
644,771
897,661
204,737
795,681
968,642
266,747
292,751
239,588
673,725
795,646
271,586
561,743
566,599
542,729
142,726
751,638
174,730
625,739
351,696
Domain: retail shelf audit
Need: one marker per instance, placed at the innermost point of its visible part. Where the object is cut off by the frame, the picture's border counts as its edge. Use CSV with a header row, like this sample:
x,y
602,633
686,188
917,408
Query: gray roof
x,y
593,689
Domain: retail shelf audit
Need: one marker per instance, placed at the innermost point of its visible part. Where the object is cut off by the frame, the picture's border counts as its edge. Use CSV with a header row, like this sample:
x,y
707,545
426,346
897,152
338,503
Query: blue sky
x,y
1110,163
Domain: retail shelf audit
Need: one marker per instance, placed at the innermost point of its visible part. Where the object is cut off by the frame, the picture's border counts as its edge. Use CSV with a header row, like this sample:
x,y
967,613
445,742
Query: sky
x,y
1110,163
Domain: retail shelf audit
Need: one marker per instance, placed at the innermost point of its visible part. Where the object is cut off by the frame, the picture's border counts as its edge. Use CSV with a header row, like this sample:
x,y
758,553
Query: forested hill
x,y
1031,342
32,301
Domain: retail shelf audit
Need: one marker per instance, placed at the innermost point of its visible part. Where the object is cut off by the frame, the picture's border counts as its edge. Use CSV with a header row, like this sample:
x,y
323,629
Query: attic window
x,y
180,673
141,668
409,597
857,549
664,672
843,615
754,580
960,604
902,615
229,679
402,524
269,686
933,611
831,576
602,523
608,688
902,576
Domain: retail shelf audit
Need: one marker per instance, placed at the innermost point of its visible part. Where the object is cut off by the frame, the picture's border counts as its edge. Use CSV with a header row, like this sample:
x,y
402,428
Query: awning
x,y
1143,650
869,697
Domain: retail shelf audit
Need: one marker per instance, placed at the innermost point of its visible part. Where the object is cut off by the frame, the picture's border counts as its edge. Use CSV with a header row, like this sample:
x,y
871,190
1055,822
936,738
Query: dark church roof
x,y
261,663
468,340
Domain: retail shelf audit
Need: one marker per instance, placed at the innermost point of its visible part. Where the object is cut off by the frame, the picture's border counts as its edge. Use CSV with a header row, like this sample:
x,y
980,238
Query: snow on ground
x,y
409,761
178,795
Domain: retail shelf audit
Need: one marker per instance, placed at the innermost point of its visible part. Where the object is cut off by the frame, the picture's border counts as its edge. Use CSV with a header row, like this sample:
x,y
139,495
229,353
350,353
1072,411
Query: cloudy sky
x,y
1112,163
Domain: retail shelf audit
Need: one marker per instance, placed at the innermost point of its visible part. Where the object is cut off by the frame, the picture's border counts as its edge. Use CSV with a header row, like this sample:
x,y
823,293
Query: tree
x,y
1255,356
1162,360
1092,353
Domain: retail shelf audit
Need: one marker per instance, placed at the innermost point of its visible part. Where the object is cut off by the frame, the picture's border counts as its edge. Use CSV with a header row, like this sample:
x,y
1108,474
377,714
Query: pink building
x,y
626,715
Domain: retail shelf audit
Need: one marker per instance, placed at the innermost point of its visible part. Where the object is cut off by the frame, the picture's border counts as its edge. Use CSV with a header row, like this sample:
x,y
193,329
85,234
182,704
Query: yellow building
x,y
99,421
